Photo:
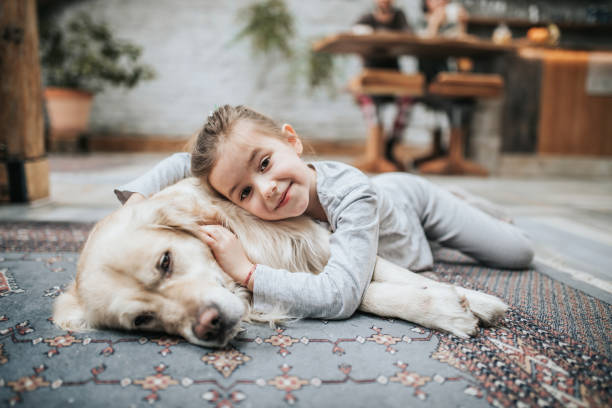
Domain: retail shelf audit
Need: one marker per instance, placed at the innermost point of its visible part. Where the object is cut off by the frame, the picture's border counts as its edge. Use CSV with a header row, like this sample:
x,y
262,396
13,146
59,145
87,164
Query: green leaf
x,y
84,54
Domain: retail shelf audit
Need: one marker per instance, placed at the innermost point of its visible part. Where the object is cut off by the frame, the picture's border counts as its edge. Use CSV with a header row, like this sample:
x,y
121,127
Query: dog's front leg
x,y
437,307
386,271
489,309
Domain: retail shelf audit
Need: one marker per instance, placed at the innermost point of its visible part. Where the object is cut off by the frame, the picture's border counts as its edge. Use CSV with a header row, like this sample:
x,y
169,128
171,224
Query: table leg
x,y
454,163
374,160
436,149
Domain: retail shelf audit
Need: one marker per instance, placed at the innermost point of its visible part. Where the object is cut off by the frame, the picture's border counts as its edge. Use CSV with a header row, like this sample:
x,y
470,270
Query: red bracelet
x,y
248,278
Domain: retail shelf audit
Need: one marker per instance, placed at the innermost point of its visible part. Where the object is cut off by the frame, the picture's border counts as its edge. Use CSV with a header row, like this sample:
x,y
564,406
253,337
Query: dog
x,y
143,267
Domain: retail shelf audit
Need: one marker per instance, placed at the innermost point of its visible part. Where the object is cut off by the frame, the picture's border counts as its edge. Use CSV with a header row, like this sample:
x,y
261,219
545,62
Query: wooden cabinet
x,y
572,119
549,109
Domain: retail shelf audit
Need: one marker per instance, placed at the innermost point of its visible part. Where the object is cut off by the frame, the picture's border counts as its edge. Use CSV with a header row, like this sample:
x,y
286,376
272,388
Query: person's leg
x,y
402,105
369,109
454,223
436,149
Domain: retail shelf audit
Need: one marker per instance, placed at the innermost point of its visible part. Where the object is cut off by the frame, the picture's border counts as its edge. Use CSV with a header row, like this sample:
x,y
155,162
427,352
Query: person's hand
x,y
434,21
135,198
228,252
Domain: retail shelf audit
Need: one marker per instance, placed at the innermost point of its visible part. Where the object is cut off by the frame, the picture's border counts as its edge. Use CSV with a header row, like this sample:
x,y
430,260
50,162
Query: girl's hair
x,y
218,128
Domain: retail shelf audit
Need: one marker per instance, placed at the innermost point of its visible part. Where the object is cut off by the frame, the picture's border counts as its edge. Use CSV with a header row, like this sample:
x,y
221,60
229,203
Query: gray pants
x,y
453,223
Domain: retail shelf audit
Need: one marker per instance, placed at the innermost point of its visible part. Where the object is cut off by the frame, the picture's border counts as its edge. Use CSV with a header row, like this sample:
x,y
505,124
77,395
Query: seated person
x,y
384,17
445,18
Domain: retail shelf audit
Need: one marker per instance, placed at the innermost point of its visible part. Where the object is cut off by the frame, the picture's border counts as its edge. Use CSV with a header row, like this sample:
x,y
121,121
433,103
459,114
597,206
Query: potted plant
x,y
271,28
79,59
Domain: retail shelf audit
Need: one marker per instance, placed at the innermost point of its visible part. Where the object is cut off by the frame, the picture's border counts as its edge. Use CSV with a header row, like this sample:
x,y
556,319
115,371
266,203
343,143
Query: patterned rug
x,y
553,348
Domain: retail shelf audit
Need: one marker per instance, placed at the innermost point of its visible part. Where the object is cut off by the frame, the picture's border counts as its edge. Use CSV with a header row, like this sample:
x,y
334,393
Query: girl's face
x,y
263,174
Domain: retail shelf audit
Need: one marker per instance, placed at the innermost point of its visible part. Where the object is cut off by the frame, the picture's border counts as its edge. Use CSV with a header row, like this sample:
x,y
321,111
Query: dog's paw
x,y
452,313
489,309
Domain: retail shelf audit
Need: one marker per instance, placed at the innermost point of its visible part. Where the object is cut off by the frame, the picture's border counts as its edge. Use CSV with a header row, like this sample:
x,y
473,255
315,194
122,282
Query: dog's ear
x,y
68,312
187,215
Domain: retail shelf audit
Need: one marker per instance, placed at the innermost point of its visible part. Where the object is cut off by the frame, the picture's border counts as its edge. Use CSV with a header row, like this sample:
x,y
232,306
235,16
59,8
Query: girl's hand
x,y
228,252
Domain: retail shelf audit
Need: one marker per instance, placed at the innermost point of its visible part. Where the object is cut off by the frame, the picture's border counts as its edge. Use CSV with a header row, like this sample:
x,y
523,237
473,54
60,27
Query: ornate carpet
x,y
553,348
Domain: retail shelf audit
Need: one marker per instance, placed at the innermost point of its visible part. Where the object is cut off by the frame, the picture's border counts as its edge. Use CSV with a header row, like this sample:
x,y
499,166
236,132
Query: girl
x,y
256,164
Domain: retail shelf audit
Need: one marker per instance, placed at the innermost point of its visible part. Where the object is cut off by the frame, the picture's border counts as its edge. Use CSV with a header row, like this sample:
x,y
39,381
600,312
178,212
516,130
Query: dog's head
x,y
143,268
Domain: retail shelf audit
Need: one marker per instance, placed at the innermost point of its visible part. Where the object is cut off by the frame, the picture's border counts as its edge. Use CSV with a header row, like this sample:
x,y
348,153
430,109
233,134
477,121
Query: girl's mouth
x,y
284,198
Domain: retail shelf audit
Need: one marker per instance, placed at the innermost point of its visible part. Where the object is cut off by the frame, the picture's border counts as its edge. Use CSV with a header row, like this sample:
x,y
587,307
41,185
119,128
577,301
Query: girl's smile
x,y
285,197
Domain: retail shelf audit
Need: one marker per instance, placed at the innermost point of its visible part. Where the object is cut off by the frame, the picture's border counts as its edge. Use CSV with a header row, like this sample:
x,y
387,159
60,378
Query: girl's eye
x,y
165,264
245,193
264,163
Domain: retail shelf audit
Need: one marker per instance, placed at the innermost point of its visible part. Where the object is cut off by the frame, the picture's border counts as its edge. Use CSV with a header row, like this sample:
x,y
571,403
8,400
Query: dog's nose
x,y
208,326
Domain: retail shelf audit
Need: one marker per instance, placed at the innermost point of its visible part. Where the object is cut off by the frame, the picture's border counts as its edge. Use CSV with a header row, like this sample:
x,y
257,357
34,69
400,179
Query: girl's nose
x,y
271,189
265,187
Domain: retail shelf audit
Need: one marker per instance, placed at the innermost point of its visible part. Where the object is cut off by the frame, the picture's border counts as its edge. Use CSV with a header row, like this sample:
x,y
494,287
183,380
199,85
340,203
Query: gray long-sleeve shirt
x,y
351,207
363,221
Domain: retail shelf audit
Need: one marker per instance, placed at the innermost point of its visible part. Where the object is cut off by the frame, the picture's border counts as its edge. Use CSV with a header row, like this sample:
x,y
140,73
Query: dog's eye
x,y
165,263
143,319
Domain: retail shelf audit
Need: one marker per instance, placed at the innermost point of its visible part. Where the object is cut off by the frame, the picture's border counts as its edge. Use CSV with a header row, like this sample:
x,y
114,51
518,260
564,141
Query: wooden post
x,y
24,171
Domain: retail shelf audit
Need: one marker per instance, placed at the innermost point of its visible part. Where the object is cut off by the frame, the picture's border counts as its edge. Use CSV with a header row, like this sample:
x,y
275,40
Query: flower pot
x,y
68,111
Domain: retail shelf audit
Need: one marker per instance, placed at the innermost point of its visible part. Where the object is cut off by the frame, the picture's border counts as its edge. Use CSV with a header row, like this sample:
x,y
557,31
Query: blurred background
x,y
514,115
167,64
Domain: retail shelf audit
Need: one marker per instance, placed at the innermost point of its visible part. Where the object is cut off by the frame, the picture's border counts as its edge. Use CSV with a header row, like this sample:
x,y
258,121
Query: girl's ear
x,y
293,138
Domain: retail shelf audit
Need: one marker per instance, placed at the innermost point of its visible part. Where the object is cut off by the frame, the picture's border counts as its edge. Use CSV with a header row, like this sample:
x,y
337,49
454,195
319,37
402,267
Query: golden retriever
x,y
143,268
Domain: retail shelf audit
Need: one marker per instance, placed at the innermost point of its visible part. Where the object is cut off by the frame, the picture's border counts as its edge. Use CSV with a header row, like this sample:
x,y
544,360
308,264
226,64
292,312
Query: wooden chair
x,y
382,82
461,89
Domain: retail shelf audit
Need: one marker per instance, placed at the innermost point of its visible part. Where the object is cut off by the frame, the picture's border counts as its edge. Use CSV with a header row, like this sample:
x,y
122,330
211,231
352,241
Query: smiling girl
x,y
256,164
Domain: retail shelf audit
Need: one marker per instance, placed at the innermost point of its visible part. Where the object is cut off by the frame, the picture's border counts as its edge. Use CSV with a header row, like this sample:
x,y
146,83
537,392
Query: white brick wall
x,y
189,44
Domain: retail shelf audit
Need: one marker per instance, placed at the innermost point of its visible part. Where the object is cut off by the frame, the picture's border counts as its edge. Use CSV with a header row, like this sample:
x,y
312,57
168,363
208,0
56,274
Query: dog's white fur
x,y
119,278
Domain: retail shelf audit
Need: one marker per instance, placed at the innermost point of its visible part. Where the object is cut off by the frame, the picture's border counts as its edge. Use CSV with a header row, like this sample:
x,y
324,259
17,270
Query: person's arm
x,y
463,20
402,22
164,174
336,292
454,16
434,21
365,19
364,25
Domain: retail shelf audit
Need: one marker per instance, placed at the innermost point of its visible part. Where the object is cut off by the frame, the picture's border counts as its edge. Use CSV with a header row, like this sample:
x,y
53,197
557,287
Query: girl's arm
x,y
165,173
336,292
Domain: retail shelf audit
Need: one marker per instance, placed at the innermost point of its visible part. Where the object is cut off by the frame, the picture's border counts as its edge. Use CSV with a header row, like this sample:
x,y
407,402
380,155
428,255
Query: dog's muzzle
x,y
212,326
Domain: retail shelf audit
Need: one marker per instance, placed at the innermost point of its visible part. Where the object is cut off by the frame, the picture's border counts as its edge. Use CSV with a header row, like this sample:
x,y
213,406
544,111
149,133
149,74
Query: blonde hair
x,y
218,128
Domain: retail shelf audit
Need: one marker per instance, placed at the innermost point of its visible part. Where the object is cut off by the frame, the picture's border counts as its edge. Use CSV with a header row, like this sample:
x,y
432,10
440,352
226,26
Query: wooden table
x,y
396,44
